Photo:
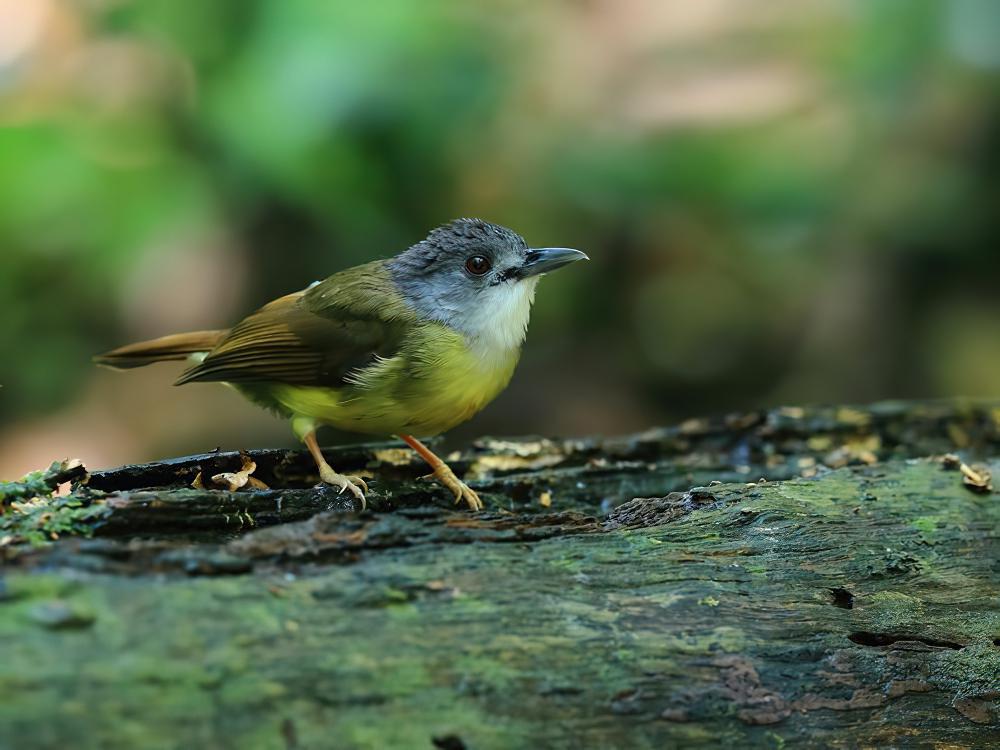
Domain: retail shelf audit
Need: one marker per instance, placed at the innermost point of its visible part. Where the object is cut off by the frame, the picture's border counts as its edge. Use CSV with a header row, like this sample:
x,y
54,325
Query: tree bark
x,y
613,594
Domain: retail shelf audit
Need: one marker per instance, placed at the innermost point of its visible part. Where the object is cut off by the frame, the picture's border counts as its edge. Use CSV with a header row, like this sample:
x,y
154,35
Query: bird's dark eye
x,y
477,265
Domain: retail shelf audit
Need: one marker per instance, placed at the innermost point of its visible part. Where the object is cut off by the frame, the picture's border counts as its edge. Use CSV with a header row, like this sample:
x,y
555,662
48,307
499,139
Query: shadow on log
x,y
648,591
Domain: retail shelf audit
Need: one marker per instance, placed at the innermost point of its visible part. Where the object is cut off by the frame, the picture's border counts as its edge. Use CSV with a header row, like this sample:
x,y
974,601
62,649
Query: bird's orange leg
x,y
444,474
328,475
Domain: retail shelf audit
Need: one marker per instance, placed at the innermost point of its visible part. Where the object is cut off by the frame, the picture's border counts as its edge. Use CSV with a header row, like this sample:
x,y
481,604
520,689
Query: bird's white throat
x,y
497,326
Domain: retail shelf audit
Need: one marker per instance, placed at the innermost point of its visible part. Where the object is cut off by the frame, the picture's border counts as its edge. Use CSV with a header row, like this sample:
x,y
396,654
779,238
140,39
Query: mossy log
x,y
649,591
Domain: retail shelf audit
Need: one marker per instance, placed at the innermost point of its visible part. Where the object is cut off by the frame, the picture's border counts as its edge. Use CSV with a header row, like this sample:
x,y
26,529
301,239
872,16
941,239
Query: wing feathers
x,y
293,340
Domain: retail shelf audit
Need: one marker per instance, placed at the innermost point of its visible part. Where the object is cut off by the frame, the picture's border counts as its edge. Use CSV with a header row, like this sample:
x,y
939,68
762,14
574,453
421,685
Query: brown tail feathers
x,y
175,347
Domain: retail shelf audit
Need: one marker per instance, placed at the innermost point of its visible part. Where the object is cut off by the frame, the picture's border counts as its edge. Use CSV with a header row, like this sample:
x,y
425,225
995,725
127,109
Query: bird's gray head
x,y
476,277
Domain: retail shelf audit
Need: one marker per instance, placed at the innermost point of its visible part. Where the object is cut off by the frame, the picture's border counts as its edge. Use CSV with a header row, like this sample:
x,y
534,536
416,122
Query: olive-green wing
x,y
316,337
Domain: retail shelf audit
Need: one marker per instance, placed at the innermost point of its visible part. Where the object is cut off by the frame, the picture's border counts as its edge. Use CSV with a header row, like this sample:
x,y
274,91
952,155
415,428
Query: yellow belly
x,y
436,382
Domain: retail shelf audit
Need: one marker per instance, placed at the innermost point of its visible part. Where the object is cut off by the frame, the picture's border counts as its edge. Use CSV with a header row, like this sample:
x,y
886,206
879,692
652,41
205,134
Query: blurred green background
x,y
784,201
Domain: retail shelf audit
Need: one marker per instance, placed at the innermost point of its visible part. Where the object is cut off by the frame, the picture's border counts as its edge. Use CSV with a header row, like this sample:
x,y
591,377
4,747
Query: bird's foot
x,y
460,489
356,485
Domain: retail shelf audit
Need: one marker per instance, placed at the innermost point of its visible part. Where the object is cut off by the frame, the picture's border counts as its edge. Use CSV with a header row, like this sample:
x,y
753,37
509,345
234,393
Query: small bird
x,y
410,346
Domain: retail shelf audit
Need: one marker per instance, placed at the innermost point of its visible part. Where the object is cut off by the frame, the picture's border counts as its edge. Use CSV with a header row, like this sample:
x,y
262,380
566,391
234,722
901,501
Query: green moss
x,y
927,525
891,611
34,516
531,644
973,671
40,483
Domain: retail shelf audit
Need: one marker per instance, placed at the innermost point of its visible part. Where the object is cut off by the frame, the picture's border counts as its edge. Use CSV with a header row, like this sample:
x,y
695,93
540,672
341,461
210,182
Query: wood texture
x,y
610,596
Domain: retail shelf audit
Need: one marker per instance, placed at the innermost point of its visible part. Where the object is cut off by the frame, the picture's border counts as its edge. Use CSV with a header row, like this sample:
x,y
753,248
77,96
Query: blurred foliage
x,y
791,201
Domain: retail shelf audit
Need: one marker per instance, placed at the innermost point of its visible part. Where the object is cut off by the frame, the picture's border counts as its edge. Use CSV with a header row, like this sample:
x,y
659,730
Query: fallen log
x,y
611,595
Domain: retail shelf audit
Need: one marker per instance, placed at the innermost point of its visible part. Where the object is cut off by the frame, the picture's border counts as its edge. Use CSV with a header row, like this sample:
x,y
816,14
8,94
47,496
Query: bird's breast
x,y
454,377
439,379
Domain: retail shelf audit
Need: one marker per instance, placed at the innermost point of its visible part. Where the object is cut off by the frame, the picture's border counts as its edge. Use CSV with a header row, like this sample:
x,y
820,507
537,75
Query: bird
x,y
410,346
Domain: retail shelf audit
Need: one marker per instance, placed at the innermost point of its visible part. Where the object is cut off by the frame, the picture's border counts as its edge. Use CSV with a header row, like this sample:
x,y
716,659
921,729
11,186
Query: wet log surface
x,y
644,591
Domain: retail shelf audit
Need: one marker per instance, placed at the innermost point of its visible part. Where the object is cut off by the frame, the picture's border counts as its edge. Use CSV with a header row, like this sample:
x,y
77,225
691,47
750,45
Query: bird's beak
x,y
541,260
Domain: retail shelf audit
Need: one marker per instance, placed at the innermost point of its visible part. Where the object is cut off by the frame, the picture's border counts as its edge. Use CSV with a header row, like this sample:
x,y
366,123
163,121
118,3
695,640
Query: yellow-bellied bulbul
x,y
409,346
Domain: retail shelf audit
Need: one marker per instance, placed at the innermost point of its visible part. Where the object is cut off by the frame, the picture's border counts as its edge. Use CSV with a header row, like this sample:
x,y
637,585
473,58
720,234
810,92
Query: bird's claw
x,y
461,490
351,483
